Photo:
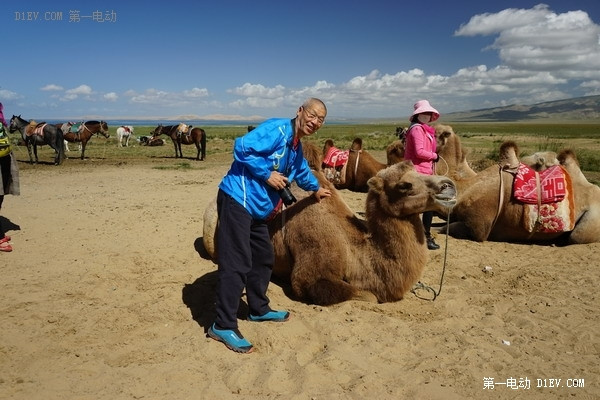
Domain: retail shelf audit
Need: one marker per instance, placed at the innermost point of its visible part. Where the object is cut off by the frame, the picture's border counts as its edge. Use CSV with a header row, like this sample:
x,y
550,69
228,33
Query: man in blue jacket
x,y
266,160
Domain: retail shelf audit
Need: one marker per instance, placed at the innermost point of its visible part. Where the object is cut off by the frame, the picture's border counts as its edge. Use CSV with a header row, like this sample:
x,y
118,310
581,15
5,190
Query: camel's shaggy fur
x,y
474,216
329,255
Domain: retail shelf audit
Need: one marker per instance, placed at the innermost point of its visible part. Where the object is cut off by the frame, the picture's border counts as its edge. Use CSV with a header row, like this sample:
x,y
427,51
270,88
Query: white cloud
x,y
9,95
544,55
196,92
538,39
252,90
80,90
51,87
111,96
186,98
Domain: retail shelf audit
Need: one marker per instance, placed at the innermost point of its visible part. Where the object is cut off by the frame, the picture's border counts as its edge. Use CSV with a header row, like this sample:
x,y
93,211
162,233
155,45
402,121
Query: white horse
x,y
124,133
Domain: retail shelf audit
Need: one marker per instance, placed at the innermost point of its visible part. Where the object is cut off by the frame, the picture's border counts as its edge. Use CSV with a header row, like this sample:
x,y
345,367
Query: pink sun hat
x,y
423,106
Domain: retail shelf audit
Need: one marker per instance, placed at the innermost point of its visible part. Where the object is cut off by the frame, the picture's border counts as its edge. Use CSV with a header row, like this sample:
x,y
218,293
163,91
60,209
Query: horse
x,y
124,132
85,132
48,134
195,136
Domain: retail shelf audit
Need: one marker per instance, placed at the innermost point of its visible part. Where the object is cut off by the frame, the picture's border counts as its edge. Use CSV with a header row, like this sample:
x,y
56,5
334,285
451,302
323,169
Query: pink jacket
x,y
420,148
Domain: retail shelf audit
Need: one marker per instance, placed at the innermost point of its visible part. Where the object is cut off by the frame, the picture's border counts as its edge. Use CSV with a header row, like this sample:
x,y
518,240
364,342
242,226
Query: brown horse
x,y
195,136
85,132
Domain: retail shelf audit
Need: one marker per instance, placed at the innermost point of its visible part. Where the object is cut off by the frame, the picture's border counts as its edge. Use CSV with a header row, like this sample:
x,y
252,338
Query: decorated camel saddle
x,y
547,196
334,163
35,128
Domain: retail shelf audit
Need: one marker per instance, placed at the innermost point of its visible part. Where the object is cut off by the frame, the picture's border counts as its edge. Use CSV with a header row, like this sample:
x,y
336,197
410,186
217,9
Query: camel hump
x,y
541,160
357,144
567,156
508,154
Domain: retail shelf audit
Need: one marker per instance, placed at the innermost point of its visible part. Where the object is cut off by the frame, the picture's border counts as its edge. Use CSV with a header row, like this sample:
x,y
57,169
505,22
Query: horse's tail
x,y
203,143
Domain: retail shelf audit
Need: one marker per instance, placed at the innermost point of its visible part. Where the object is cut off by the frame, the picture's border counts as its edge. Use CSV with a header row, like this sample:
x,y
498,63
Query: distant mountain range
x,y
576,109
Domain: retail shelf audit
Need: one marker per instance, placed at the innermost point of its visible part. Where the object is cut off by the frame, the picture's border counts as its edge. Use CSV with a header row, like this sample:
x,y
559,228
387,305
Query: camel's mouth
x,y
447,196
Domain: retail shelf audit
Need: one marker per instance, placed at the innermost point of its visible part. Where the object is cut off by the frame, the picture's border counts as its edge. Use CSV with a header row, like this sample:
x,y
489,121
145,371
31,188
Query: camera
x,y
286,195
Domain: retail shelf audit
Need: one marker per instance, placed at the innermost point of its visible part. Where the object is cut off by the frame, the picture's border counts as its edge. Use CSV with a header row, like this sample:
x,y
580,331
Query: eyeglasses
x,y
311,116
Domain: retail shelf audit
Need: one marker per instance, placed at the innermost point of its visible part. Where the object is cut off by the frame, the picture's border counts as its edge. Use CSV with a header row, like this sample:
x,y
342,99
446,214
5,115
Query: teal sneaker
x,y
233,339
275,316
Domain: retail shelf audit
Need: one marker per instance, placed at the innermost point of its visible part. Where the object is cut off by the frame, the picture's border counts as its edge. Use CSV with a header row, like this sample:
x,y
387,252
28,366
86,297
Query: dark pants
x,y
427,220
6,179
245,257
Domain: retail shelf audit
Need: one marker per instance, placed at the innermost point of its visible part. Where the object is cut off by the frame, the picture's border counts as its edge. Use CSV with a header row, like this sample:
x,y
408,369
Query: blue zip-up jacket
x,y
269,147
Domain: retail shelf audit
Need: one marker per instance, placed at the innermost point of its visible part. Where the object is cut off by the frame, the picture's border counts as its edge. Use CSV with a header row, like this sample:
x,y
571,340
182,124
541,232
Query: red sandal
x,y
5,239
4,246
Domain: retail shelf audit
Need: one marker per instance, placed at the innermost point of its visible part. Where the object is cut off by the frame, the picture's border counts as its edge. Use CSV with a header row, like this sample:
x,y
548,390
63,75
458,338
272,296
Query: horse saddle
x,y
183,128
70,127
35,128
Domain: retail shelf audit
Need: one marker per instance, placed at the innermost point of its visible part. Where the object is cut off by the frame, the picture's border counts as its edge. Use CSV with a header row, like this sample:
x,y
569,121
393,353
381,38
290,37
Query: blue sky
x,y
365,59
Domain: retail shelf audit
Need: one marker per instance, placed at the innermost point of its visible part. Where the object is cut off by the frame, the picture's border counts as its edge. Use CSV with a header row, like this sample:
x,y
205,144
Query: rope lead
x,y
421,286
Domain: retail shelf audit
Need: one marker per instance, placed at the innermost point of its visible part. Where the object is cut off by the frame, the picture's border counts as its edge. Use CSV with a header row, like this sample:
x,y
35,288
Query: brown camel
x,y
329,255
360,167
486,209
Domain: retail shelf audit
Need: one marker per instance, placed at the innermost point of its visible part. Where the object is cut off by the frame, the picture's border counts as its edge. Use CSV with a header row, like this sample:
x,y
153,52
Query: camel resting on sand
x,y
487,210
329,255
360,167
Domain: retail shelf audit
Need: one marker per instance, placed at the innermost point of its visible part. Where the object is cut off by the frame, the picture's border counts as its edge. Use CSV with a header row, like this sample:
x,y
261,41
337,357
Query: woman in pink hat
x,y
420,148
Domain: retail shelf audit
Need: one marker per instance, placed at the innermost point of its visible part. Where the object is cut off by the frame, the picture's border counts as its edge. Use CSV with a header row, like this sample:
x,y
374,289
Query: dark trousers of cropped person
x,y
427,221
245,258
6,180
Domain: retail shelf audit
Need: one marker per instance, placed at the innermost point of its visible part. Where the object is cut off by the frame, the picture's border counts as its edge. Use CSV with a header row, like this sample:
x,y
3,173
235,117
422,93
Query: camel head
x,y
453,156
443,134
395,152
400,191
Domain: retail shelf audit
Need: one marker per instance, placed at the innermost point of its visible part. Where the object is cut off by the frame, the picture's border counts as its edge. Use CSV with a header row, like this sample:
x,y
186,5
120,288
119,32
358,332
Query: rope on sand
x,y
421,286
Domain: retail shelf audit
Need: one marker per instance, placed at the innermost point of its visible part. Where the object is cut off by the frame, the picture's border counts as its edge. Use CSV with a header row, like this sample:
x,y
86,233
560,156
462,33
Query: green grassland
x,y
481,139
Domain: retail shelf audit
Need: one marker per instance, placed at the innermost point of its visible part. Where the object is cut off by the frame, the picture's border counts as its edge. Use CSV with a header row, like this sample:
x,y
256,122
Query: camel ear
x,y
375,183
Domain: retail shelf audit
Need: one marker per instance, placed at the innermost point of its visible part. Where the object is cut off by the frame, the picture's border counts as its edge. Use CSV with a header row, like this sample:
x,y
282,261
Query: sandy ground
x,y
107,296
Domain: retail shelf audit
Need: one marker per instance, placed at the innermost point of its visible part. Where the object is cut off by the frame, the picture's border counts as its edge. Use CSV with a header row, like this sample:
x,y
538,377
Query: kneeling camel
x,y
329,255
487,210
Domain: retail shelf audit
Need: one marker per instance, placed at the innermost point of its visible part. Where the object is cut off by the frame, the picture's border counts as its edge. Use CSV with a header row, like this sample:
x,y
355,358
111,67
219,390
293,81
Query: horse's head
x,y
14,123
104,129
157,131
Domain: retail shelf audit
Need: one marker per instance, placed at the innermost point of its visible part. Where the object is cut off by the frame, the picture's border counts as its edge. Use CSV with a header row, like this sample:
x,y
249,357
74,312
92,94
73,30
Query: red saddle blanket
x,y
555,212
553,186
335,157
